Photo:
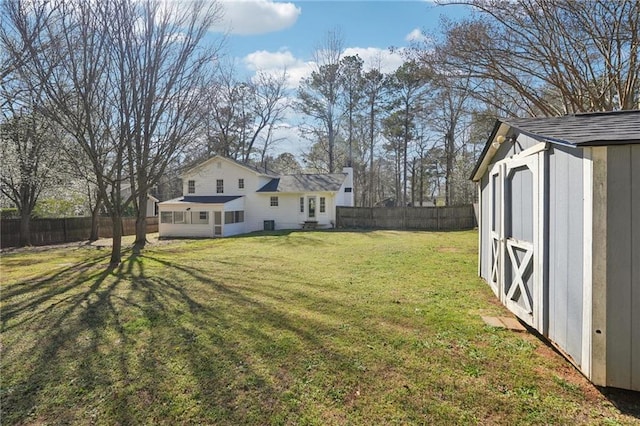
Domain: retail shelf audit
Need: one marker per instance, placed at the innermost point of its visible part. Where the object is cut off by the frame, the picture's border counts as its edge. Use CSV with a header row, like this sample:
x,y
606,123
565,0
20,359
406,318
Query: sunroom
x,y
202,216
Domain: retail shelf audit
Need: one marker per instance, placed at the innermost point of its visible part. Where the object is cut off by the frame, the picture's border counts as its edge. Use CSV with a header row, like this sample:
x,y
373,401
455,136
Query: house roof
x,y
261,171
330,182
202,199
577,130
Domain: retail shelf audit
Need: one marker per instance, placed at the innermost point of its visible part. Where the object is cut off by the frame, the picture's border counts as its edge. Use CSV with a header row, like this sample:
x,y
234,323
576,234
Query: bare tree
x,y
240,114
160,59
449,108
549,57
409,85
226,113
319,93
117,75
351,82
374,87
268,105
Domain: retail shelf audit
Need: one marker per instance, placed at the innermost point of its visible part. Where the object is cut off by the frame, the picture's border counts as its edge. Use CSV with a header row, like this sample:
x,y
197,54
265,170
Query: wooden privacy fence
x,y
423,218
56,231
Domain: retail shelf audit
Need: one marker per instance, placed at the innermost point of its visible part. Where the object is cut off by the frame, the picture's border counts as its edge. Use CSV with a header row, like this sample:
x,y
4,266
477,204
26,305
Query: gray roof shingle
x,y
205,199
587,129
305,183
592,129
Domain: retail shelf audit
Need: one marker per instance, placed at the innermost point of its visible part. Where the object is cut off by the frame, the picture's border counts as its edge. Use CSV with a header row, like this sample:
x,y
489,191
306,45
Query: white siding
x,y
287,215
205,178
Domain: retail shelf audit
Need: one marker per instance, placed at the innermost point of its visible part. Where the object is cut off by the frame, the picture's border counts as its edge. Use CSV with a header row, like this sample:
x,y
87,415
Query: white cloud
x,y
287,137
415,36
375,57
246,17
265,60
276,62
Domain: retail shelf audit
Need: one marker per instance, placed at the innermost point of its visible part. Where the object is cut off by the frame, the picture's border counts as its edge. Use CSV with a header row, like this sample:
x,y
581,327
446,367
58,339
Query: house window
x,y
240,183
323,205
220,186
200,218
301,204
347,190
192,187
234,217
179,217
166,217
274,202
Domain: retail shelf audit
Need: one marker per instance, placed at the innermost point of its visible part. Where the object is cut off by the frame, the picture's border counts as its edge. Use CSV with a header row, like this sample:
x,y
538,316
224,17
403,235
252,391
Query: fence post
x,y
437,218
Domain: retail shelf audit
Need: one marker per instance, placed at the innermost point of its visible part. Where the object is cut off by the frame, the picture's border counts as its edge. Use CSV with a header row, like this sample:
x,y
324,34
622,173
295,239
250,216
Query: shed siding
x,y
485,229
565,261
623,270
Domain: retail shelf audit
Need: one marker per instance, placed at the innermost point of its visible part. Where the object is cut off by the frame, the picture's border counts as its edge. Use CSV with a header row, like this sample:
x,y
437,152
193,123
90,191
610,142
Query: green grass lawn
x,y
286,328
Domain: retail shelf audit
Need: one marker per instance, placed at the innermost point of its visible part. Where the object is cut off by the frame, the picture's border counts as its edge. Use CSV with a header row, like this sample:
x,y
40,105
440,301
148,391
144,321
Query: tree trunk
x,y
141,223
95,218
447,180
116,255
25,228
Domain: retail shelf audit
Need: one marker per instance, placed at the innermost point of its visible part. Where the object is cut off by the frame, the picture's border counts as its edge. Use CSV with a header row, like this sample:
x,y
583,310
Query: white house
x,y
223,197
152,201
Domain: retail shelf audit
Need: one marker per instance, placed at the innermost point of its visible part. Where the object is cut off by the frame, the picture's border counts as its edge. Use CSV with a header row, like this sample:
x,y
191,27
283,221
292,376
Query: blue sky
x,y
269,36
265,34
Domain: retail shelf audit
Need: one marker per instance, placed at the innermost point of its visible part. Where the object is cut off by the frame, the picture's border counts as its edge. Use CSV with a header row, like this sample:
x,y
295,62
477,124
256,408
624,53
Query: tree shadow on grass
x,y
119,345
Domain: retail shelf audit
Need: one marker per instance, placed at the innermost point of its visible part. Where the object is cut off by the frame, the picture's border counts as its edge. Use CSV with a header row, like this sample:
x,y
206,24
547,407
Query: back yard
x,y
287,328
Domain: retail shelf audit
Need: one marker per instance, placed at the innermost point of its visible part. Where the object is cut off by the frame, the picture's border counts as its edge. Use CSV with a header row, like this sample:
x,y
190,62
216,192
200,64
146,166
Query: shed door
x,y
495,195
521,287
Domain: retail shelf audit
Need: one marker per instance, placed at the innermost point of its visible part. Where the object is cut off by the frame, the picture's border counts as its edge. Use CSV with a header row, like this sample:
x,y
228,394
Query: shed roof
x,y
588,129
204,199
305,183
577,130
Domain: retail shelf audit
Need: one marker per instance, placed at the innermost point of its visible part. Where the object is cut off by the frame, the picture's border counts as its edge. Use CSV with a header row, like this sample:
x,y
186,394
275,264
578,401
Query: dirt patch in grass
x,y
152,240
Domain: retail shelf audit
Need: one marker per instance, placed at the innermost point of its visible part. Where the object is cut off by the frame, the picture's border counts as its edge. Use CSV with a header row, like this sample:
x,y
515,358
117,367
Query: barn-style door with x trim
x,y
516,197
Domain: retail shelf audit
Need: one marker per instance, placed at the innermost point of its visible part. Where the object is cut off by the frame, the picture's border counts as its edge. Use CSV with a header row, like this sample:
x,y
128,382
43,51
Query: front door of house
x,y
311,208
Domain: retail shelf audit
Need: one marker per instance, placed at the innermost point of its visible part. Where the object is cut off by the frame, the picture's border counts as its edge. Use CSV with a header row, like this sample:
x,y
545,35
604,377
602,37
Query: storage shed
x,y
559,239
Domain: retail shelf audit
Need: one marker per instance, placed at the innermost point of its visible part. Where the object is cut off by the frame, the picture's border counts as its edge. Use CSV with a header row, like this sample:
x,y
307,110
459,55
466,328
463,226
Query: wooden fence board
x,y
56,231
414,218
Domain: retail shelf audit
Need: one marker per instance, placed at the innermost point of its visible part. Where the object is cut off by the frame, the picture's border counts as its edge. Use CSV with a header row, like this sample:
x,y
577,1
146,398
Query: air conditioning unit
x,y
269,225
